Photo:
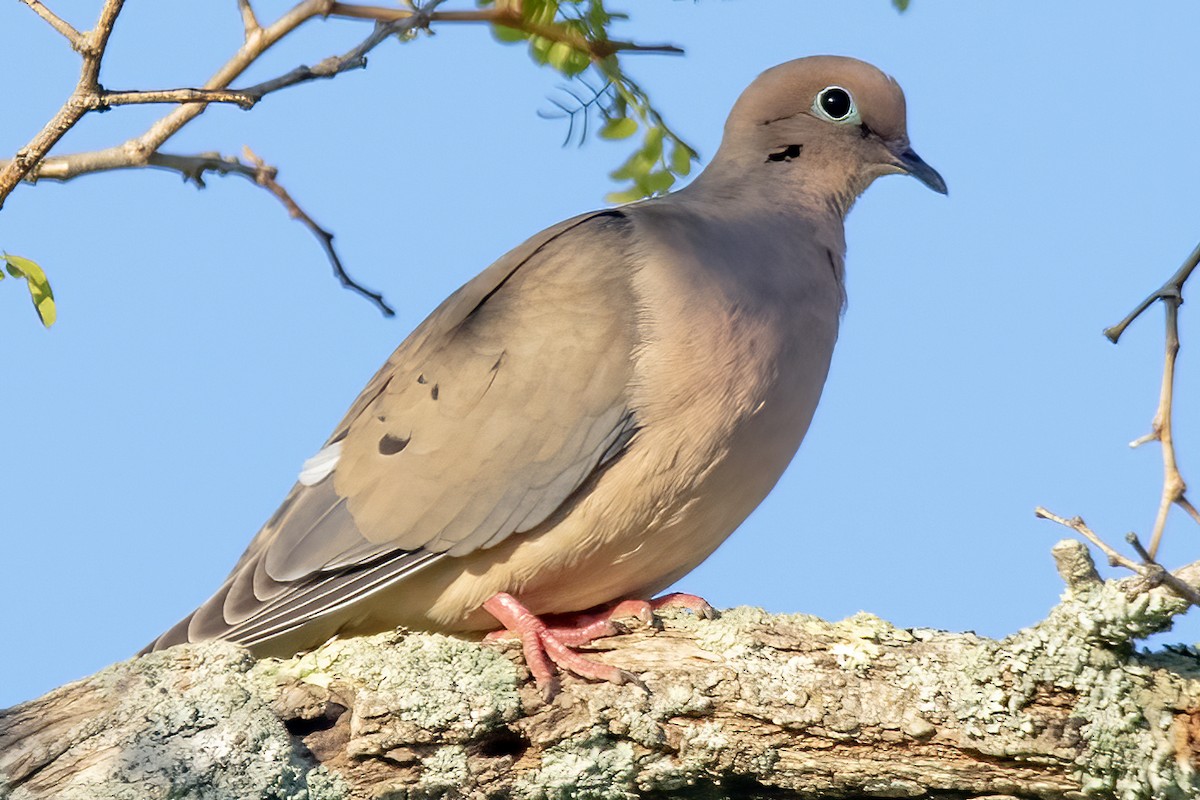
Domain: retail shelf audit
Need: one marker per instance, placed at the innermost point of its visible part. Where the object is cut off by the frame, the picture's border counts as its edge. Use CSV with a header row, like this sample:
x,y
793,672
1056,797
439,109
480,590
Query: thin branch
x,y
193,168
1149,570
32,164
107,99
265,176
1174,488
138,151
509,17
1173,286
249,20
58,23
1079,526
1171,579
247,54
91,46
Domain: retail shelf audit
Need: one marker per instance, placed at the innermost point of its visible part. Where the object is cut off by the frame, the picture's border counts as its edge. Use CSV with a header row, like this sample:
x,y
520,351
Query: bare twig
x,y
193,168
249,20
1079,526
107,99
265,176
1171,579
1174,488
509,17
1173,286
91,46
58,23
137,152
31,162
1149,570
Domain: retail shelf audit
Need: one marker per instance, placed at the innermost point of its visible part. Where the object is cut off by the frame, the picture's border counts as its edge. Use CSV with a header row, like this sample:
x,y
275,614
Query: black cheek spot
x,y
786,153
434,392
390,445
865,130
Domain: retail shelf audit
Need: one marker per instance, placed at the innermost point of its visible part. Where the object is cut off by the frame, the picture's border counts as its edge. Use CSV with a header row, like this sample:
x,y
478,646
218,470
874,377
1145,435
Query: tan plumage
x,y
593,414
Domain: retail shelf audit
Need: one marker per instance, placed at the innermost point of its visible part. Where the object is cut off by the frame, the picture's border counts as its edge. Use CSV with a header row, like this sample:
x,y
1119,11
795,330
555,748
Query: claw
x,y
544,647
549,646
689,602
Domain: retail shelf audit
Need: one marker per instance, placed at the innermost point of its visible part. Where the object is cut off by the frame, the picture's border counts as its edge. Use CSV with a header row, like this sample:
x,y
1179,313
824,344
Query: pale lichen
x,y
211,736
591,768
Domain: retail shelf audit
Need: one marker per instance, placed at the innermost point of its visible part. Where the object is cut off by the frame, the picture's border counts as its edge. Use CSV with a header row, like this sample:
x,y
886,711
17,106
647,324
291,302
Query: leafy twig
x,y
570,37
509,17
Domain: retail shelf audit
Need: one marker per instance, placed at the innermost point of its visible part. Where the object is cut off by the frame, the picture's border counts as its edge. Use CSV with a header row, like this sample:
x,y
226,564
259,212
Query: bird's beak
x,y
912,163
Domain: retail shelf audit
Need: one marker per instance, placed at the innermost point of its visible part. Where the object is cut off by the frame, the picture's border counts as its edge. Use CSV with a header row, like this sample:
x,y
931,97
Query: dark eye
x,y
835,103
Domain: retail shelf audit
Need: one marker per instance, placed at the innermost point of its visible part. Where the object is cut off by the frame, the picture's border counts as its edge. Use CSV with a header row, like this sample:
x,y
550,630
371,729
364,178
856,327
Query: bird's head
x,y
824,125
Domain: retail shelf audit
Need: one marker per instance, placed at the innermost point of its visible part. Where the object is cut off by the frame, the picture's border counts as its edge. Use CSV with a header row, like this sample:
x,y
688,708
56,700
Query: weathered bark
x,y
748,705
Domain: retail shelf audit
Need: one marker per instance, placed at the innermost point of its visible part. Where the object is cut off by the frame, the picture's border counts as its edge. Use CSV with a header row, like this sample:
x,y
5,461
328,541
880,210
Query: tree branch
x,y
509,17
249,19
108,99
1174,488
1152,573
91,47
32,164
58,23
265,176
745,705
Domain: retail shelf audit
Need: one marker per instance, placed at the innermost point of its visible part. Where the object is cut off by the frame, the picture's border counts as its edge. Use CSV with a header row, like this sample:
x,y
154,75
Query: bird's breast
x,y
737,333
733,342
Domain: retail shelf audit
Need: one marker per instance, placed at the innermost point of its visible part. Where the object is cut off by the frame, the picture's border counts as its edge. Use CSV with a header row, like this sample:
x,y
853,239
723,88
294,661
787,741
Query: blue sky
x,y
203,351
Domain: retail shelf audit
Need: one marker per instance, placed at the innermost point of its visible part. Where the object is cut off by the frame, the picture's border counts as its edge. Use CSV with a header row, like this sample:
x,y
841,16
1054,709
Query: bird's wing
x,y
483,422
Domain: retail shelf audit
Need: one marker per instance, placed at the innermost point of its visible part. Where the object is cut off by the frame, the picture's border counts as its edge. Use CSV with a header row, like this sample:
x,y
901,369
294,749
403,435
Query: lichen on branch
x,y
746,704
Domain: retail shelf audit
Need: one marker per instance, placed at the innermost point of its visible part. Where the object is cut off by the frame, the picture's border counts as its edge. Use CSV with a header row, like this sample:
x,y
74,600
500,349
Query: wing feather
x,y
481,424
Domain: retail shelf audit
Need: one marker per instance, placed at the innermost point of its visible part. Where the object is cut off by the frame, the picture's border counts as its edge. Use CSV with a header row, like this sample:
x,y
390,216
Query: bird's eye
x,y
835,103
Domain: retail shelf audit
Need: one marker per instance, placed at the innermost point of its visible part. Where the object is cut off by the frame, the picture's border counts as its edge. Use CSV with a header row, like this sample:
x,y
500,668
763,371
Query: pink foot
x,y
544,648
689,602
546,644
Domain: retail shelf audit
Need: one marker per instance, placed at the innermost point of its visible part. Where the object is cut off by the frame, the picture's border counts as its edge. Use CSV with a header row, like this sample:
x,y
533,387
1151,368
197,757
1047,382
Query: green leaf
x,y
657,182
620,128
559,56
901,5
634,168
539,48
540,11
681,158
39,286
627,196
653,145
502,33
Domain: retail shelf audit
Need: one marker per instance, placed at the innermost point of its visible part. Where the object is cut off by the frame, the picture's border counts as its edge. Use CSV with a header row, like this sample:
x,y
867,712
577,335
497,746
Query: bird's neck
x,y
807,191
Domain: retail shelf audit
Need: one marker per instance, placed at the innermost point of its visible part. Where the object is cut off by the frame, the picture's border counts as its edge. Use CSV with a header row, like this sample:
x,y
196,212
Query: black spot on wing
x,y
389,445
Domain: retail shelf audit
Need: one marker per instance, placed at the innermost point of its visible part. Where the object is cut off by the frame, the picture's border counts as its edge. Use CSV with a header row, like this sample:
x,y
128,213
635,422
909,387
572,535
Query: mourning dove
x,y
592,415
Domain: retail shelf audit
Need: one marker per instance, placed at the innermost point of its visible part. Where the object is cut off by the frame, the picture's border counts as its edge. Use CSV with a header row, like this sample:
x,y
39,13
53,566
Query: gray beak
x,y
912,163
